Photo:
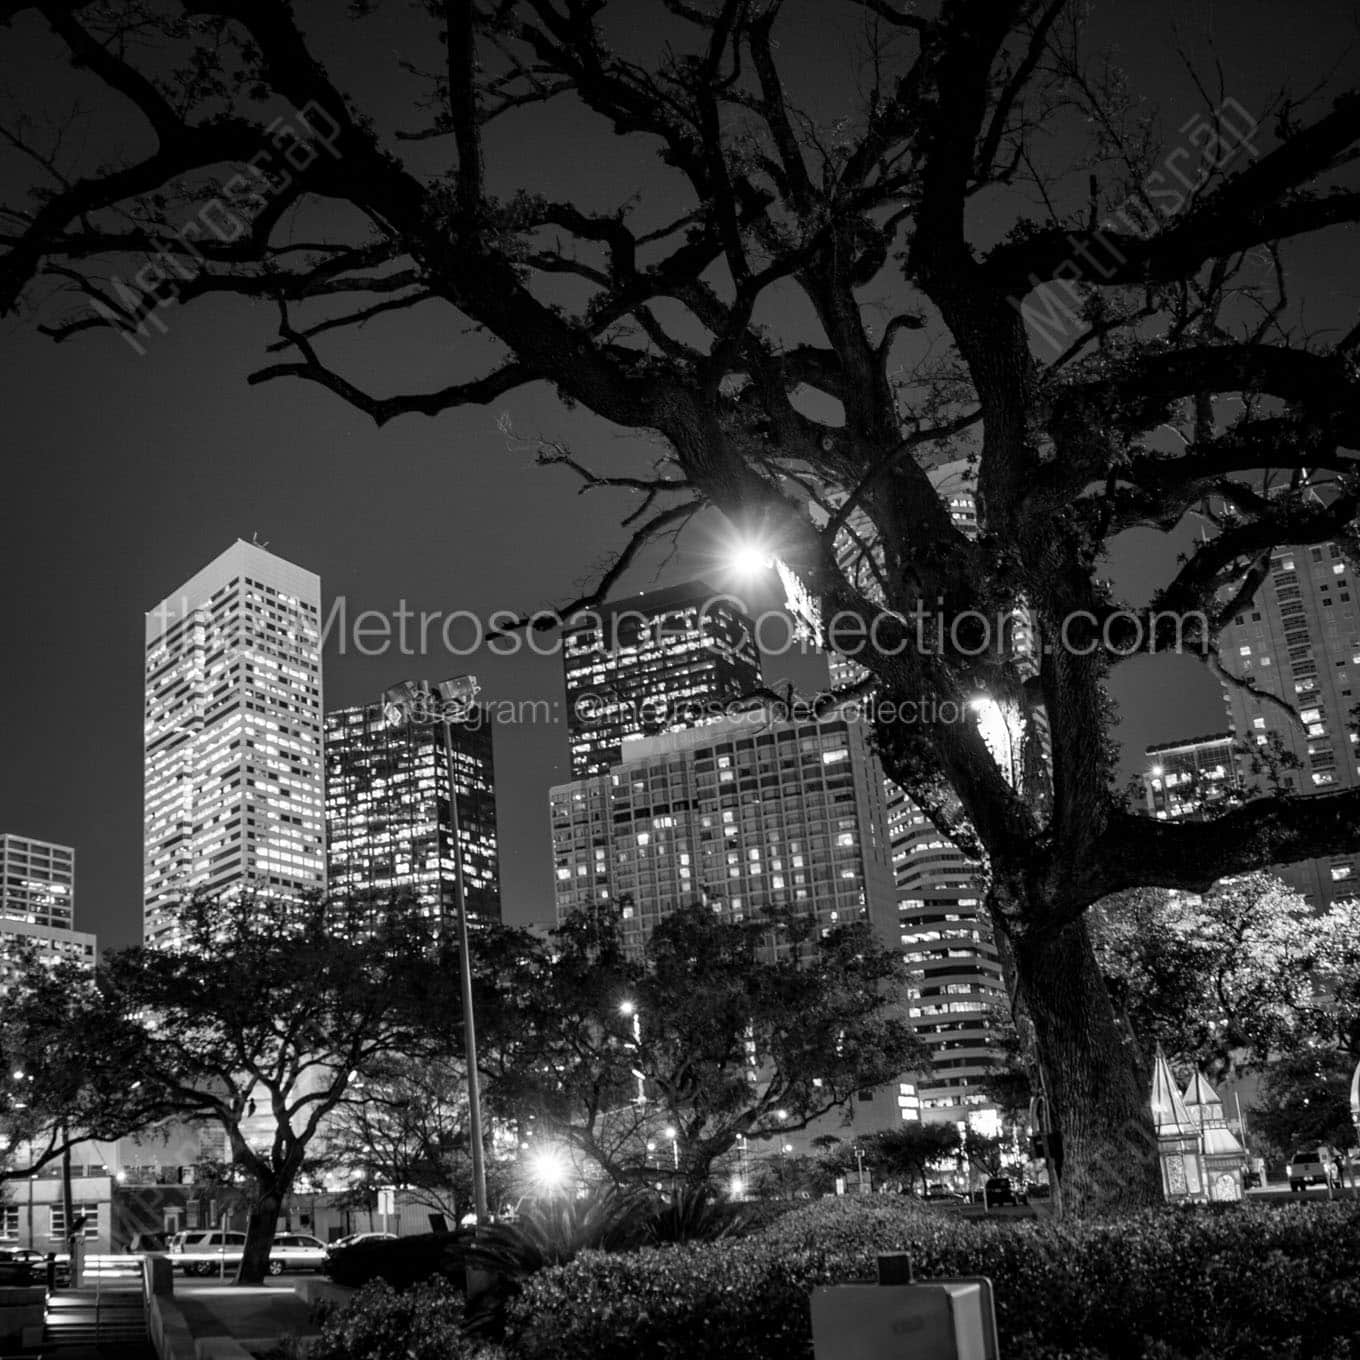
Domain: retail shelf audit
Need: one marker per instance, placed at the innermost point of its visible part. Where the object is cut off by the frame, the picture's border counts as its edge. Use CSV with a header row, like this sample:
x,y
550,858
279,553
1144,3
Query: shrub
x,y
425,1323
1165,1284
694,1214
401,1262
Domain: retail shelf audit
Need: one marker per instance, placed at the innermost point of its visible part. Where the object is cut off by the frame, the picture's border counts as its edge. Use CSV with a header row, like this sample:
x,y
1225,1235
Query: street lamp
x,y
672,1134
749,558
456,699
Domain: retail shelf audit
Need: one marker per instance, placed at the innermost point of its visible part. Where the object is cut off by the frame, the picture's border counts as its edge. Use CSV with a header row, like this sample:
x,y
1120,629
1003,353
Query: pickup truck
x,y
1311,1166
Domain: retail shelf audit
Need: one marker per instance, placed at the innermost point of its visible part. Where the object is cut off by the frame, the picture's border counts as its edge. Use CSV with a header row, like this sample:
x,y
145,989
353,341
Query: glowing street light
x,y
549,1169
750,557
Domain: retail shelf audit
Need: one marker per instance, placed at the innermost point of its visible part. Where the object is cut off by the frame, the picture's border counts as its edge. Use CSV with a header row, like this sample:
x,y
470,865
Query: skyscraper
x,y
1192,777
37,881
1299,639
37,902
661,660
958,1002
957,998
233,730
388,822
738,815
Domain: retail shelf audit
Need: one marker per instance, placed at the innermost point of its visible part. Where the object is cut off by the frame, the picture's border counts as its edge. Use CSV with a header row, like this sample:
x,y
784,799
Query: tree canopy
x,y
260,1021
1224,981
725,1030
969,241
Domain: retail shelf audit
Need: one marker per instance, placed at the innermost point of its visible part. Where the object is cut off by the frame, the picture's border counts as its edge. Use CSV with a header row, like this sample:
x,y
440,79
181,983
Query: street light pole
x,y
465,976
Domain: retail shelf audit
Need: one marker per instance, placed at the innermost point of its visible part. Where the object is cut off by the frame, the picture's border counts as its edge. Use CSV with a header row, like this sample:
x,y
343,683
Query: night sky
x,y
125,474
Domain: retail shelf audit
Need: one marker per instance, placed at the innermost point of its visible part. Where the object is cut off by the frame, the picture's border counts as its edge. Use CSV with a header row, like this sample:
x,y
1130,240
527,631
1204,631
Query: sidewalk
x,y
256,1313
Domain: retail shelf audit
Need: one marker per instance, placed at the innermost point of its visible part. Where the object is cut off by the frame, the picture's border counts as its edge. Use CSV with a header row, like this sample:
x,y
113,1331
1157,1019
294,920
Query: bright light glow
x,y
1156,771
626,1008
749,557
669,1131
737,1187
549,1168
781,1115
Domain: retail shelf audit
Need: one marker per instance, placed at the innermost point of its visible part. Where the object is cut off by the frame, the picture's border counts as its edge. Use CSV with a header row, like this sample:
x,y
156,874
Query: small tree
x,y
726,1030
910,1151
261,1020
1305,1098
407,1124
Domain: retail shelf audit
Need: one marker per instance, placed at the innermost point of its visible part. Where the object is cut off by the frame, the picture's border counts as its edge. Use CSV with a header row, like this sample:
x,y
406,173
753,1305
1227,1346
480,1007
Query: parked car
x,y
936,1191
341,1242
1312,1166
296,1251
999,1193
24,1265
206,1252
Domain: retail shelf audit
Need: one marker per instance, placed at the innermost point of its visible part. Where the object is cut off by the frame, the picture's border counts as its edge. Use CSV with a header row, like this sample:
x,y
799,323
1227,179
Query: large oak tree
x,y
260,1021
973,245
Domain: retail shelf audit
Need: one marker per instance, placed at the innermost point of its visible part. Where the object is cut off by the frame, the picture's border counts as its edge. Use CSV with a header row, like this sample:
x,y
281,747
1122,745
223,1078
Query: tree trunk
x,y
260,1228
1098,1091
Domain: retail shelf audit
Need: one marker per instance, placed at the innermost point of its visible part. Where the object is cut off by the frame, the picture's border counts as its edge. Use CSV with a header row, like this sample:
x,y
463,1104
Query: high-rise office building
x,y
1299,639
739,815
958,1003
957,997
233,731
37,881
388,822
37,902
661,660
1191,778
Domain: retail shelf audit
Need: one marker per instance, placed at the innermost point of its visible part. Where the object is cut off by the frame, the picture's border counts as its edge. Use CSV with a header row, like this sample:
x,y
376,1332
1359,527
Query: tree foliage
x,y
911,1151
968,240
259,1021
725,1030
1222,982
52,1097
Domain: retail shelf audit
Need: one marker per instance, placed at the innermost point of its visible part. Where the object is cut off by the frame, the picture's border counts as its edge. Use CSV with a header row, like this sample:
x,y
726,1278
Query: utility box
x,y
933,1320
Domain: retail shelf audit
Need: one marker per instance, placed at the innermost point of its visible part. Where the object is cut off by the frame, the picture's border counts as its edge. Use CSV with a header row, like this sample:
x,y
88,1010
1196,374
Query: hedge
x,y
1170,1284
380,1323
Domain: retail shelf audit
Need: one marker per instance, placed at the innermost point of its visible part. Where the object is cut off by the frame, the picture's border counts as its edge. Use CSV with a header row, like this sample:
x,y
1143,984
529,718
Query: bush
x,y
401,1262
424,1323
1172,1284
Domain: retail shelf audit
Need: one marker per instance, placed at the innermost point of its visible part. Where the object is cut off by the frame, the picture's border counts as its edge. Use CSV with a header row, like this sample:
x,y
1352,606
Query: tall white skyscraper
x,y
233,736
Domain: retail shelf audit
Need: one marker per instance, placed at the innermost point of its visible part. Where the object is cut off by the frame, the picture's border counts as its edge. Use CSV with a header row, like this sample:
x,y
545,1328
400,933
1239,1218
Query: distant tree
x,y
260,1020
726,1029
985,1152
1305,1098
406,1123
911,1151
1221,982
